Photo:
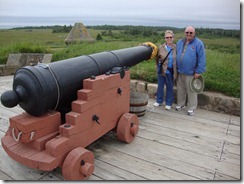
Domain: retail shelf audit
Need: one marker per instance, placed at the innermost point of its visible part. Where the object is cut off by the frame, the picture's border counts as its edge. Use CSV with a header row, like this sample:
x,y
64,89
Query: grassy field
x,y
223,54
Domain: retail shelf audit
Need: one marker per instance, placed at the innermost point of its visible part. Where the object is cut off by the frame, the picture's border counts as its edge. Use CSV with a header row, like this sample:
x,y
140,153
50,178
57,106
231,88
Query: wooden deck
x,y
169,146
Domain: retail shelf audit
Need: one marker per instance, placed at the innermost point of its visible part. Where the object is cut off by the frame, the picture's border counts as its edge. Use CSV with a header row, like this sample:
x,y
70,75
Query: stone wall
x,y
206,100
16,61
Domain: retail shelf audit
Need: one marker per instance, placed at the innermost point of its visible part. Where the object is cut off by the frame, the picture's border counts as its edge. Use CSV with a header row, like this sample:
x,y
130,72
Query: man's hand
x,y
196,75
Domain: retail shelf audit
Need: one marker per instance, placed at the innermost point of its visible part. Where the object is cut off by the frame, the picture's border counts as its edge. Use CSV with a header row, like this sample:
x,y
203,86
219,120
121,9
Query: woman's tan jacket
x,y
162,53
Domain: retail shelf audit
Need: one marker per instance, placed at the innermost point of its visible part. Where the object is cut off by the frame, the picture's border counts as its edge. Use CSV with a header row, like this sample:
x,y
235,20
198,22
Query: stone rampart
x,y
206,100
16,61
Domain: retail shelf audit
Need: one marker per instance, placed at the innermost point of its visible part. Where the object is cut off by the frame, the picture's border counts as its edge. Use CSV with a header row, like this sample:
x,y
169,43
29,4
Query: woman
x,y
166,69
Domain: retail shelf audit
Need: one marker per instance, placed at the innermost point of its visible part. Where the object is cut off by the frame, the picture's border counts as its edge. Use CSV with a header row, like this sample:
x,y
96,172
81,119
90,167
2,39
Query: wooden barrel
x,y
138,103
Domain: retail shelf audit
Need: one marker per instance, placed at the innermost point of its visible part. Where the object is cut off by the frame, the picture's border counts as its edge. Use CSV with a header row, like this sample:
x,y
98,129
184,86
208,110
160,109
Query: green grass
x,y
29,41
223,45
223,73
74,50
43,37
223,54
145,71
22,47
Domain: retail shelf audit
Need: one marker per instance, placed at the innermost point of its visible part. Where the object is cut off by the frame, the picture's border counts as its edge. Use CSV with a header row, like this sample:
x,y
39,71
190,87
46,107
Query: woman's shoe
x,y
167,107
156,104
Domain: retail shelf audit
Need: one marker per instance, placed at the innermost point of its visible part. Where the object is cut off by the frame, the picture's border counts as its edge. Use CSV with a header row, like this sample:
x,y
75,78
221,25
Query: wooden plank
x,y
9,112
179,168
50,177
4,176
231,158
200,113
207,150
16,170
179,115
6,113
234,133
184,156
192,137
192,125
1,135
235,120
57,173
101,172
94,177
110,172
232,148
221,177
4,124
141,167
105,173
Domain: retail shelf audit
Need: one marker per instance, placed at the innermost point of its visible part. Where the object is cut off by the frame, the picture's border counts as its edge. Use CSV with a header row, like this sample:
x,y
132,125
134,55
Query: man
x,y
191,62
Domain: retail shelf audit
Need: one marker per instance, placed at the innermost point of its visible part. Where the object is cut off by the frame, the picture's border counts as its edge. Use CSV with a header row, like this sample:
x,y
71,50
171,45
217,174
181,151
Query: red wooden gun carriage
x,y
69,104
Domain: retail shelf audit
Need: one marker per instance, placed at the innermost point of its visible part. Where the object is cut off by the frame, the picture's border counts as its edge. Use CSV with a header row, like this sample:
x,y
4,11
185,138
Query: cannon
x,y
44,87
97,91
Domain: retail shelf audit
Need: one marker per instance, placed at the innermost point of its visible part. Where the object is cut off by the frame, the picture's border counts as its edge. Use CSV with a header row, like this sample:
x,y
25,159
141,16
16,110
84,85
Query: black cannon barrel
x,y
38,89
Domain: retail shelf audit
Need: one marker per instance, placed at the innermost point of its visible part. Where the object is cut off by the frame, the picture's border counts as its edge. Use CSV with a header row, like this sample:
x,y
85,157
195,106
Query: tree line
x,y
154,30
55,28
143,30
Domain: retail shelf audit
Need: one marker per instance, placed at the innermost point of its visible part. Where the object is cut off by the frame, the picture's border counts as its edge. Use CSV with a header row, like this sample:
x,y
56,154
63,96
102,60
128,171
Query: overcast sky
x,y
176,13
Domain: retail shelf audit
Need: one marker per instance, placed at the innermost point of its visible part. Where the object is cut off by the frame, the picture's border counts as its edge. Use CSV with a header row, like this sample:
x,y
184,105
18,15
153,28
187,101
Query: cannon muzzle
x,y
38,89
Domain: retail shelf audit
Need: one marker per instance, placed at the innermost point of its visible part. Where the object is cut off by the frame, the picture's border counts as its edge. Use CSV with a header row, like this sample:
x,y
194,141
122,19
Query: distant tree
x,y
104,33
110,33
61,29
147,32
99,37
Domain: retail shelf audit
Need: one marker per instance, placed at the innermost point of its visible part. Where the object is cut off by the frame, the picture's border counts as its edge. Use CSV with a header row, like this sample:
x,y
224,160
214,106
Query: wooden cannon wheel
x,y
128,127
78,165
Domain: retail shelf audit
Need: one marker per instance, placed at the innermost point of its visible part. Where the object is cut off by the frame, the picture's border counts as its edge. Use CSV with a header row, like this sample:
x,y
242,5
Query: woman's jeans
x,y
169,82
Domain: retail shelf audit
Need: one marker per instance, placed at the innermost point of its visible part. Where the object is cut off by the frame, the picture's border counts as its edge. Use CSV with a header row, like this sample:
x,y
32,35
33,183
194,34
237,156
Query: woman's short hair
x,y
169,32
